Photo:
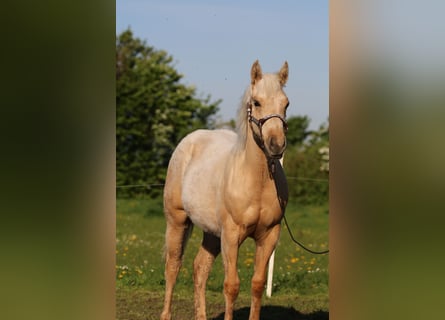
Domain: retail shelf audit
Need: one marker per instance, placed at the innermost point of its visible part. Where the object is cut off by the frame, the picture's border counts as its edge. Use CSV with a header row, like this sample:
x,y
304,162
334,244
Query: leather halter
x,y
259,138
260,122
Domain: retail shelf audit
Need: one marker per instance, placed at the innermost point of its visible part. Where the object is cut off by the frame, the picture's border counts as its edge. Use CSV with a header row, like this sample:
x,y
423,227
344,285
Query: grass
x,y
300,283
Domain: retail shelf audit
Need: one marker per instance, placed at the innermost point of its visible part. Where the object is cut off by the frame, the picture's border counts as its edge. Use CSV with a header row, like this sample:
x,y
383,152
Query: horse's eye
x,y
256,103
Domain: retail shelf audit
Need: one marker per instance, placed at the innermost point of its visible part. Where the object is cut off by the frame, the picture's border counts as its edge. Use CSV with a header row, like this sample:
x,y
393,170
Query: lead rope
x,y
283,209
299,243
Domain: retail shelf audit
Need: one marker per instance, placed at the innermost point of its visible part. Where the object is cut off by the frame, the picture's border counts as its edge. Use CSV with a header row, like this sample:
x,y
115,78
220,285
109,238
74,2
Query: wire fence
x,y
150,185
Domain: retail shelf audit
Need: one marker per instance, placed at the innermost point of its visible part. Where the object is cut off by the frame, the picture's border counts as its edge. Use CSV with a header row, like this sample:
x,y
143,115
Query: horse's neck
x,y
253,159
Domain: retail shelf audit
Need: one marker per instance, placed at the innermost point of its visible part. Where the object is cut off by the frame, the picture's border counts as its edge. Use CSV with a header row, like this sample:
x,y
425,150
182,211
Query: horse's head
x,y
267,109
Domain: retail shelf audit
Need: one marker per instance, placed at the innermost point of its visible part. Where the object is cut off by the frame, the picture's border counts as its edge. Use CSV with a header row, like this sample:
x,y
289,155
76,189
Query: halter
x,y
260,122
259,138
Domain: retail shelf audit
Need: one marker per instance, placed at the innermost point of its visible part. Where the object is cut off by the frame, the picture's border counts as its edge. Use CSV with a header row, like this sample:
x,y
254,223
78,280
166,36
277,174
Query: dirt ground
x,y
144,305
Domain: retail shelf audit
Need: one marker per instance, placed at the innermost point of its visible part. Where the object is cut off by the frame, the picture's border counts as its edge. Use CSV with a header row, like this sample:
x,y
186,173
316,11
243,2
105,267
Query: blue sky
x,y
214,44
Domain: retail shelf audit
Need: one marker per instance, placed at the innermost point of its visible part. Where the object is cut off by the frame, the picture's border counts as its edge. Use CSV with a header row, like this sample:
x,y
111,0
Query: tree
x,y
297,129
307,167
154,110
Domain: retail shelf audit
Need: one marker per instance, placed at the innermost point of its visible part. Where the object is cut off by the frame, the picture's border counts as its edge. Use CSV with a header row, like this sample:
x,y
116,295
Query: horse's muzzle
x,y
275,148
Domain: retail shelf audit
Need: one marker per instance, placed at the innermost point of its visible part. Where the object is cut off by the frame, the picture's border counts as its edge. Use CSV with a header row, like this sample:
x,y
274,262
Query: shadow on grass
x,y
277,312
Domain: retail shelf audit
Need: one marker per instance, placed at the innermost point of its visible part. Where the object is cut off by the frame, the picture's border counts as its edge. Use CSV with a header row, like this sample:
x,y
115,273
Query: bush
x,y
308,184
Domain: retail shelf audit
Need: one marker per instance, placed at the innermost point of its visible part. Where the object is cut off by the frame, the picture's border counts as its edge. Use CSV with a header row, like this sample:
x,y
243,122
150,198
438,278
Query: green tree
x,y
154,110
307,167
297,130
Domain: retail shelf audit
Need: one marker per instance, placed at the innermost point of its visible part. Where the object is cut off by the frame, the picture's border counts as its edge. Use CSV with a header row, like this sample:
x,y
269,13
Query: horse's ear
x,y
284,73
255,73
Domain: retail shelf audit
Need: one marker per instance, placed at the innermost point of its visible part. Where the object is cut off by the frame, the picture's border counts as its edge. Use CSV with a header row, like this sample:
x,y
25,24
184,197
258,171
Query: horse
x,y
232,186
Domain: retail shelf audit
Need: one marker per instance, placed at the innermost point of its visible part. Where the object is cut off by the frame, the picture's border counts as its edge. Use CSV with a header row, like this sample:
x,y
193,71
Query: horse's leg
x,y
264,249
178,230
230,242
209,250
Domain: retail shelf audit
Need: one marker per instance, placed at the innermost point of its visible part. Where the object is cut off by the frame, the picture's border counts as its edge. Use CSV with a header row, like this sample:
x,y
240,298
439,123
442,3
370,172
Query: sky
x,y
214,44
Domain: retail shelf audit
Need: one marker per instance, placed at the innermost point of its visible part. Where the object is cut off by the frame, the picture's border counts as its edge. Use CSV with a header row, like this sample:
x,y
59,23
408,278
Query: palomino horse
x,y
232,186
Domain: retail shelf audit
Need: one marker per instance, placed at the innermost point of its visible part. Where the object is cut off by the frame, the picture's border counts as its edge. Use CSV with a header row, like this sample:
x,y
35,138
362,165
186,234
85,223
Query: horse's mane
x,y
241,121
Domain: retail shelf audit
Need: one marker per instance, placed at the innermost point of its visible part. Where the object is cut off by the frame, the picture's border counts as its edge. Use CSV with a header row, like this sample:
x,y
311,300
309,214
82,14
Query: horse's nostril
x,y
275,146
273,142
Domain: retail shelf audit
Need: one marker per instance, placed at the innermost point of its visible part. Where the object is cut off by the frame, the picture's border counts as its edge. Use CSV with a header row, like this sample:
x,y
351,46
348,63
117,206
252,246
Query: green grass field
x,y
300,282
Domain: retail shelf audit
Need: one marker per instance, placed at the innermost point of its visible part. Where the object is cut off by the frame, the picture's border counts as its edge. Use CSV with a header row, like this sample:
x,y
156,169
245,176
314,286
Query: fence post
x,y
270,275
